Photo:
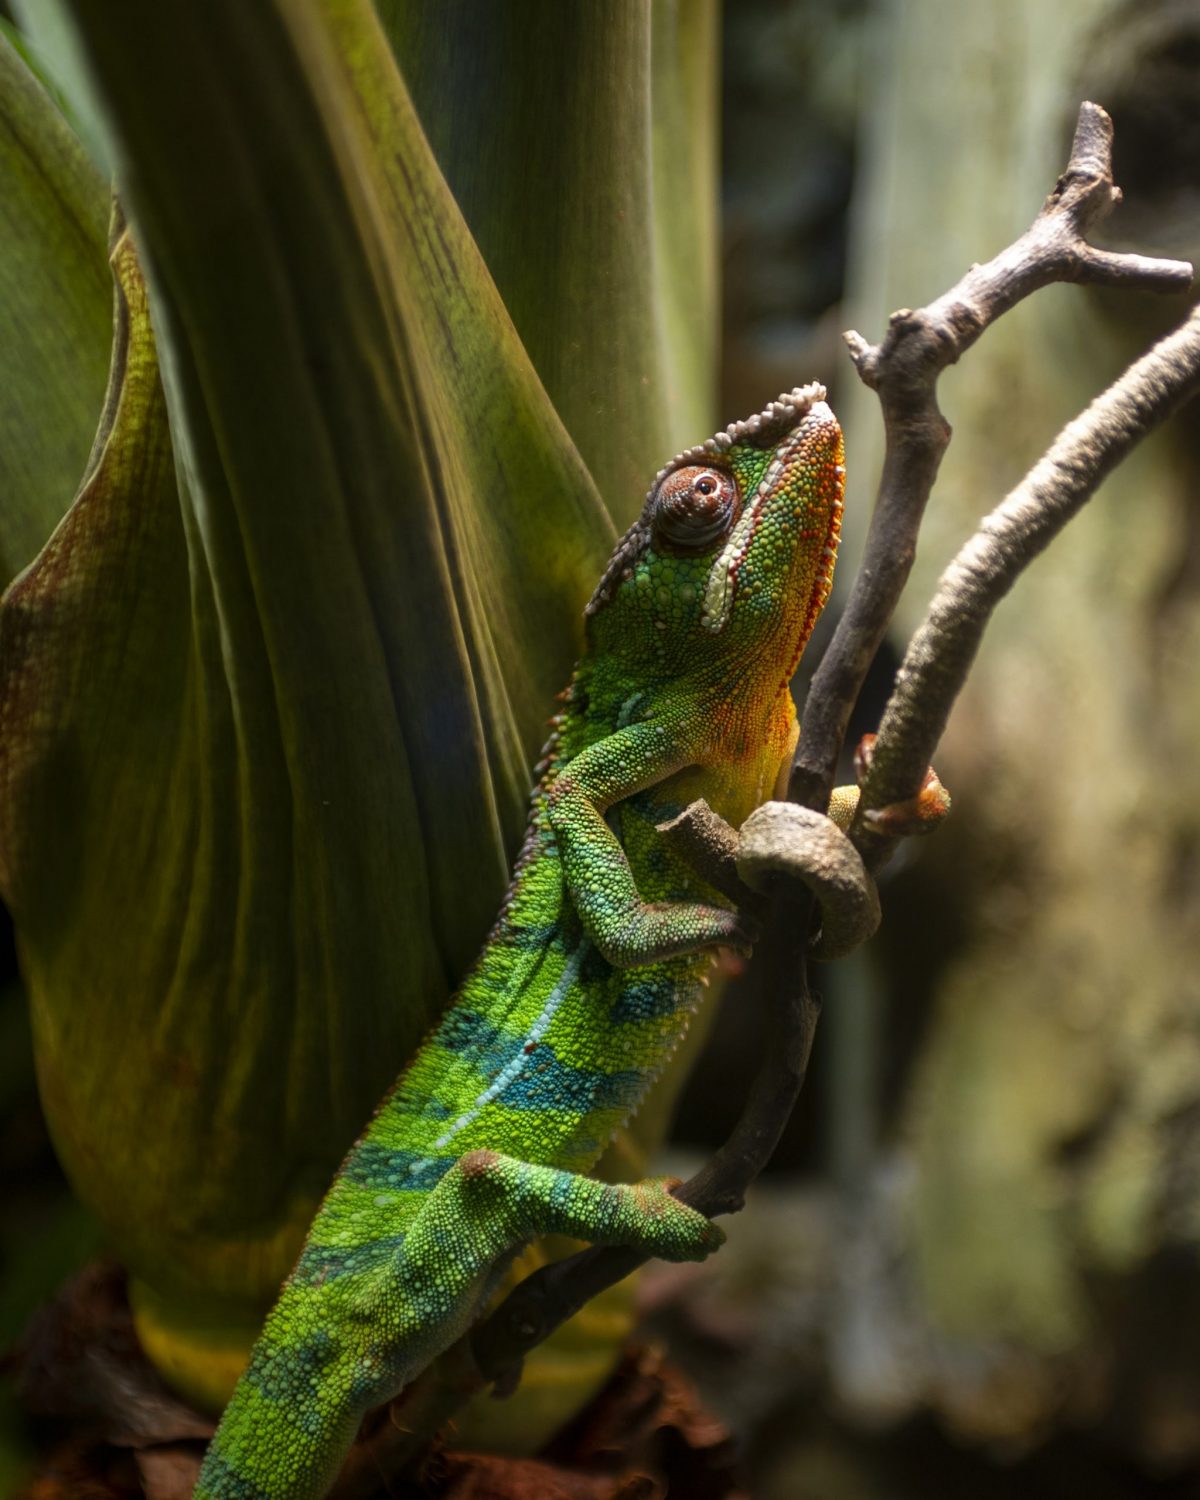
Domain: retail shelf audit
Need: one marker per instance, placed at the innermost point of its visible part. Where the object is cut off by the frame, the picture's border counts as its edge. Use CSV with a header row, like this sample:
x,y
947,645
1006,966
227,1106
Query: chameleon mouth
x,y
789,434
823,581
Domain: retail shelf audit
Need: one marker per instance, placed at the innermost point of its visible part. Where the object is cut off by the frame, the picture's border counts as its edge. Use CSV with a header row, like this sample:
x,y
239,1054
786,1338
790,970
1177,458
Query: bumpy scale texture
x,y
586,983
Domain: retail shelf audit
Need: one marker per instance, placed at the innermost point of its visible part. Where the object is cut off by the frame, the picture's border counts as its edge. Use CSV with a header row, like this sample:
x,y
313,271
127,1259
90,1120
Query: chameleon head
x,y
731,560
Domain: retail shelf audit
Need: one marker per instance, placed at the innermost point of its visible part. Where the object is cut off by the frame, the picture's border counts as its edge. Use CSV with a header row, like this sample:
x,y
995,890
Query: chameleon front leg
x,y
625,929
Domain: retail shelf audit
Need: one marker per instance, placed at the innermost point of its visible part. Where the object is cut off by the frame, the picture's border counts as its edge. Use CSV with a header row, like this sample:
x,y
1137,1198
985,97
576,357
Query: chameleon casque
x,y
595,963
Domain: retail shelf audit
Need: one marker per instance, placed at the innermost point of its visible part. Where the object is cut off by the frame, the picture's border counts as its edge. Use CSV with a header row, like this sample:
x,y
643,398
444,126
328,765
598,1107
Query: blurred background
x,y
974,1267
987,1205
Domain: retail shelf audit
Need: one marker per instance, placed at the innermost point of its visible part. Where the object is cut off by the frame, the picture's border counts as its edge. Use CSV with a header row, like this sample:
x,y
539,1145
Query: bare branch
x,y
783,842
940,654
904,370
709,844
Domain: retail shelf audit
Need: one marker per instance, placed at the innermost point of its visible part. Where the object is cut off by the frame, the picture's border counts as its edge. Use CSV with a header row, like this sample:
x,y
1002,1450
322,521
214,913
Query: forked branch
x,y
940,654
904,369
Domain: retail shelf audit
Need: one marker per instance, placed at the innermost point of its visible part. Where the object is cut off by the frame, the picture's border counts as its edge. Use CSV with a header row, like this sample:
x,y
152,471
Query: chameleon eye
x,y
694,506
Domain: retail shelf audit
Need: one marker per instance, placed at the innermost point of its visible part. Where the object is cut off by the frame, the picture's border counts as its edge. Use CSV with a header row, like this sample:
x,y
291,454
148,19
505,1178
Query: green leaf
x,y
94,664
55,311
273,688
580,142
52,52
269,731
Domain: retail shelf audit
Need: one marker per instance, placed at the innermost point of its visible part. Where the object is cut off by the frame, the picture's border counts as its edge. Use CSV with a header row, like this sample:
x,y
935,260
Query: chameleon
x,y
596,961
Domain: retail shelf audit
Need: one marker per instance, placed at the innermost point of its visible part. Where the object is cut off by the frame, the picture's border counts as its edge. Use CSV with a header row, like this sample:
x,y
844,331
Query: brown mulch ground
x,y
111,1430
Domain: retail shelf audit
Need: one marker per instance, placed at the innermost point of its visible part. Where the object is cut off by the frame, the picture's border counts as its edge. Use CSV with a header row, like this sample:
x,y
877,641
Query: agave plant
x,y
410,301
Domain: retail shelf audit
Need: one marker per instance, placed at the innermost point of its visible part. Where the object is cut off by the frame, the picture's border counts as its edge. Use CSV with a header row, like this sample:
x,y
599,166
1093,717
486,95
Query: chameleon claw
x,y
744,933
691,1235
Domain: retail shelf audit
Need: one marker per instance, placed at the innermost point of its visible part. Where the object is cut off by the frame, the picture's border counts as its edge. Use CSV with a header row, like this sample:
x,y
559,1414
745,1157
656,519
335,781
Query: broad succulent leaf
x,y
339,634
270,691
580,143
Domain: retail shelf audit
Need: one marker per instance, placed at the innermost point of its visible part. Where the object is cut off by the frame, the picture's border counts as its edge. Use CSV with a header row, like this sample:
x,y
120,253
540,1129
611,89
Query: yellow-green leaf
x,y
274,685
580,142
267,759
55,311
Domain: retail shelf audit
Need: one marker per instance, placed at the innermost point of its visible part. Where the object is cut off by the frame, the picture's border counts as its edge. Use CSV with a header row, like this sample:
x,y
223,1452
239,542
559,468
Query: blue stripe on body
x,y
650,999
283,1373
543,1080
319,1263
374,1165
219,1478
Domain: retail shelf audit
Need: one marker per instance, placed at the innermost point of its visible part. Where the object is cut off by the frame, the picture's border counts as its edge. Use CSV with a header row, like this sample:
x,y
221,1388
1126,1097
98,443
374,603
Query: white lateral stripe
x,y
536,1032
718,590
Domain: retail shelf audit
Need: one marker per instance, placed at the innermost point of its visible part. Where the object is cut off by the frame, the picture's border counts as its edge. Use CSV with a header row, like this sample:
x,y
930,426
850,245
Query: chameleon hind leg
x,y
489,1204
486,1206
336,1346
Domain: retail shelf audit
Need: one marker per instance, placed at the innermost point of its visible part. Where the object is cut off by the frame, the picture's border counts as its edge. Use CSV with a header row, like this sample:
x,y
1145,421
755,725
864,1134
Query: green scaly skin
x,y
586,983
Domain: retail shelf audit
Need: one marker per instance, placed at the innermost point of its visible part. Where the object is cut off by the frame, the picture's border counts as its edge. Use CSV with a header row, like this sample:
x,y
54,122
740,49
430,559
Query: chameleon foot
x,y
914,816
506,1202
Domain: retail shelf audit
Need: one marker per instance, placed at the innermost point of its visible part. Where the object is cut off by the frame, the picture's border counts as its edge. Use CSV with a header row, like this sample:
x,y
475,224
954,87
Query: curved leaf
x,y
269,733
580,142
53,54
273,687
55,311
